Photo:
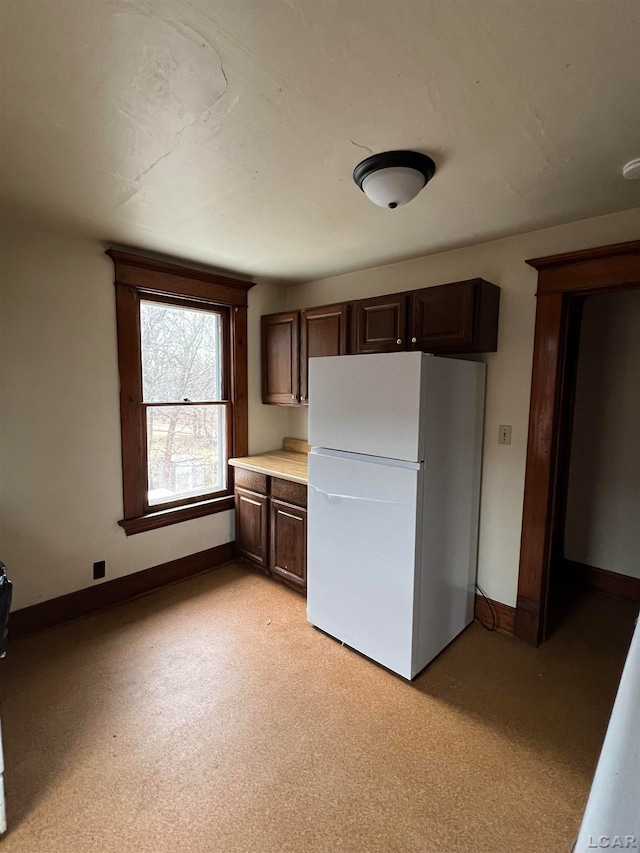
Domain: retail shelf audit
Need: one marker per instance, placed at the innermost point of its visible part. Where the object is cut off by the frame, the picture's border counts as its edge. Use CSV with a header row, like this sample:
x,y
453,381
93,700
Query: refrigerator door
x,y
369,404
362,553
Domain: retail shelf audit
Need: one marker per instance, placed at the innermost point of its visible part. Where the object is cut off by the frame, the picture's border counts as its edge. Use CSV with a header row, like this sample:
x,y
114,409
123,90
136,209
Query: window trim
x,y
138,277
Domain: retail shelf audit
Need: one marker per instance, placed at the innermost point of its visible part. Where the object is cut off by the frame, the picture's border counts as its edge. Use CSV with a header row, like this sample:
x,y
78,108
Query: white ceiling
x,y
227,132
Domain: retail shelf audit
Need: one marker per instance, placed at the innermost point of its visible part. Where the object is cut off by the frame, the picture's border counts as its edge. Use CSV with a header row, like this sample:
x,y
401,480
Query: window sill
x,y
164,517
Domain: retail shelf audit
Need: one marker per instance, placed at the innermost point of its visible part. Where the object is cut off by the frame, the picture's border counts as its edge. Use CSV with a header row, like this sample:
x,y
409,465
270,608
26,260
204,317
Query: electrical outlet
x,y
99,570
504,434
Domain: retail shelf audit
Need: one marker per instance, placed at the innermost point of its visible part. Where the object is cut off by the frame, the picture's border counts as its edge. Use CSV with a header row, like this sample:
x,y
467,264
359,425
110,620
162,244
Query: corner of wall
x,y
267,424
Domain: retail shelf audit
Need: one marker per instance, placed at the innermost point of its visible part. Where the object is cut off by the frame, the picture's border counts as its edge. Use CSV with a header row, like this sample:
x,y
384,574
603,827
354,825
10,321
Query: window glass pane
x,y
186,451
181,353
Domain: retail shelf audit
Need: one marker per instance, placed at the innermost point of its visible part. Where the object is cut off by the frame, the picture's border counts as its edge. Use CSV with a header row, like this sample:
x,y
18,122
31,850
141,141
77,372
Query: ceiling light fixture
x,y
631,170
393,178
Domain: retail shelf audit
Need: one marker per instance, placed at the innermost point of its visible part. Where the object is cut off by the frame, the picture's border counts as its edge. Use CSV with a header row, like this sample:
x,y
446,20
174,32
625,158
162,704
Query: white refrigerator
x,y
394,487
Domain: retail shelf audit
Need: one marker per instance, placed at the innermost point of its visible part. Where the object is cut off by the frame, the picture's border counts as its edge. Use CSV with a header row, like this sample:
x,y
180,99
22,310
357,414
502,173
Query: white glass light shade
x,y
394,186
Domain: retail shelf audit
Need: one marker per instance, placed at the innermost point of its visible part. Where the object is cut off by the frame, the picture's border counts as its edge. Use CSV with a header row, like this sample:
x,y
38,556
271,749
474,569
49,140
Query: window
x,y
185,402
183,389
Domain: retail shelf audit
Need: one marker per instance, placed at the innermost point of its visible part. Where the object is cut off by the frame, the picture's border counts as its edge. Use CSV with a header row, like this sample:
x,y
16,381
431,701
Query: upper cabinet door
x,y
323,331
461,317
280,359
378,324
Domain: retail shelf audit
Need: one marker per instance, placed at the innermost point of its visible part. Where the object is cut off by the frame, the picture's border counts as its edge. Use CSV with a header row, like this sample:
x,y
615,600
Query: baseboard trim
x,y
504,614
612,583
93,599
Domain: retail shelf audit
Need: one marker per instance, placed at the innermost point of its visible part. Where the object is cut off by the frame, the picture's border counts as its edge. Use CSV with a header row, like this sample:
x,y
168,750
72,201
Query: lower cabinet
x,y
288,556
271,526
252,526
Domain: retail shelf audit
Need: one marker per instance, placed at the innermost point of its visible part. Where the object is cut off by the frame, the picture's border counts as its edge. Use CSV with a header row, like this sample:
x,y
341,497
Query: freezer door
x,y
362,554
369,404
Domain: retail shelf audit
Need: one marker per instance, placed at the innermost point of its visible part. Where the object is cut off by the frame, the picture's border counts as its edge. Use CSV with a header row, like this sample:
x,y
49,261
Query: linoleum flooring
x,y
210,717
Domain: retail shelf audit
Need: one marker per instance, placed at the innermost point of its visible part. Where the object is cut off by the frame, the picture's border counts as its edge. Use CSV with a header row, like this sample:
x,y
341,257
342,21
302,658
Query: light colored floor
x,y
210,716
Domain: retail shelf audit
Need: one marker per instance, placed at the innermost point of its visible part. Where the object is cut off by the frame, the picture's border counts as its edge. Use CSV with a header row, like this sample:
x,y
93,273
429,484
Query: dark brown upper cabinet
x,y
323,331
289,340
461,317
280,358
378,324
448,319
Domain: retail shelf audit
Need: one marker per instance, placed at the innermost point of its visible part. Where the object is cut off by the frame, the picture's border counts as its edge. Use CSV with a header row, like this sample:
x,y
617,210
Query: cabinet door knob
x,y
399,341
414,340
294,398
303,398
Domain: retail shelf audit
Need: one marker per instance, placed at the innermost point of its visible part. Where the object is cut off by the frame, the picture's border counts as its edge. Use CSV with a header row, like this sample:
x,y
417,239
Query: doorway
x,y
564,281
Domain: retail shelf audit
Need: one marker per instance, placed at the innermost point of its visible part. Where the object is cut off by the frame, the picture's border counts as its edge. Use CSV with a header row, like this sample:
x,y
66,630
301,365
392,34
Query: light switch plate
x,y
504,434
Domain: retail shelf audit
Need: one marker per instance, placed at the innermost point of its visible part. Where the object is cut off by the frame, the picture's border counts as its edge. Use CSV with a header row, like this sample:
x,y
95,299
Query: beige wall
x,y
60,476
603,506
509,370
267,424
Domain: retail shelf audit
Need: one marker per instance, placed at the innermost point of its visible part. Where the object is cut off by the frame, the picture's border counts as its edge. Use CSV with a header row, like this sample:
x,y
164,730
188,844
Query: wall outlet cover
x,y
504,434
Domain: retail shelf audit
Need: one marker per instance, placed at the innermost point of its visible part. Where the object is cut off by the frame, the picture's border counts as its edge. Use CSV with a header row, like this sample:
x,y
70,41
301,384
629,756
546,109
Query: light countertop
x,y
286,463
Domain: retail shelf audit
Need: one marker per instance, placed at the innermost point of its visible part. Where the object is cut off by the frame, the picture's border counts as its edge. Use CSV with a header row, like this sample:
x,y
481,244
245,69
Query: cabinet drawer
x,y
285,490
251,480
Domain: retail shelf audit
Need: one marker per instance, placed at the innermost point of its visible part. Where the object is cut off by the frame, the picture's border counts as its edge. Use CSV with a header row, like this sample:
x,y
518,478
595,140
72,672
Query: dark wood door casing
x,y
561,278
535,540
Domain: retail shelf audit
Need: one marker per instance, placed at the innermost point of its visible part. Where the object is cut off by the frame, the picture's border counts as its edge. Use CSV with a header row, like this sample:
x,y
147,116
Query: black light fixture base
x,y
388,159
